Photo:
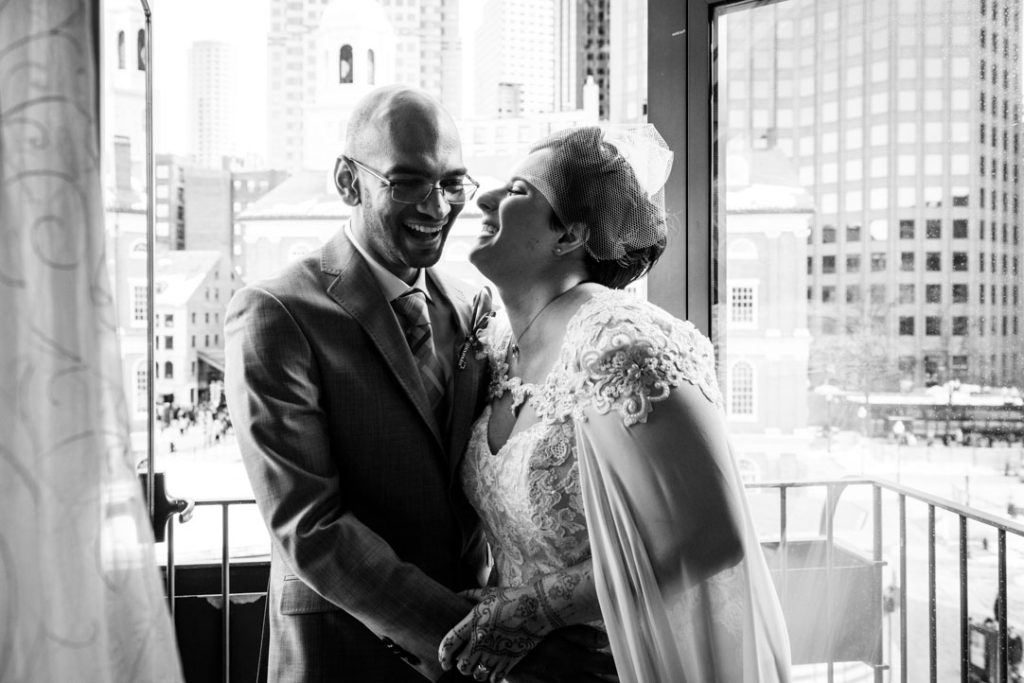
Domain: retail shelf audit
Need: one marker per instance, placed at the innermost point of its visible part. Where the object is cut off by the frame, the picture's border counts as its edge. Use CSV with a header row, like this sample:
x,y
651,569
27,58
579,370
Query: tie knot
x,y
412,305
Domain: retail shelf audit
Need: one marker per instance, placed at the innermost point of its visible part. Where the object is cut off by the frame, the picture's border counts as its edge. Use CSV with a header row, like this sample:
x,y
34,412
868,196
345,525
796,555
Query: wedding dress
x,y
568,488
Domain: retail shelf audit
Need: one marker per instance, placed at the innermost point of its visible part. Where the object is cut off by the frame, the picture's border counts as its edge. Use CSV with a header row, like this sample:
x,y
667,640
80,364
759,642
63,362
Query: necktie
x,y
411,308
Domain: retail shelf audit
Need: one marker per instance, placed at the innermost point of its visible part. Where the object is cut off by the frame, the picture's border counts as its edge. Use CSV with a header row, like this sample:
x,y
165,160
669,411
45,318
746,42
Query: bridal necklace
x,y
514,343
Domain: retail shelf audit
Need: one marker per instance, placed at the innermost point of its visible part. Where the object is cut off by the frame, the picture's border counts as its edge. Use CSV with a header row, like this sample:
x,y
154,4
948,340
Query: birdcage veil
x,y
609,181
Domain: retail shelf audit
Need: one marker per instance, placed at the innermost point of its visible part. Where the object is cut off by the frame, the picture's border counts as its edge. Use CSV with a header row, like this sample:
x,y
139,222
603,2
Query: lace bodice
x,y
619,353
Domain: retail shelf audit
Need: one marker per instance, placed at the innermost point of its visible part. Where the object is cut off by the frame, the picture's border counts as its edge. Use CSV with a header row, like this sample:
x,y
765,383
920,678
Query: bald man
x,y
352,416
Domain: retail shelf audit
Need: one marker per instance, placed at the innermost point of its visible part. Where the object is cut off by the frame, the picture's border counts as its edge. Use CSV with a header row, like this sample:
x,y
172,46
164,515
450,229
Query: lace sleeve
x,y
632,354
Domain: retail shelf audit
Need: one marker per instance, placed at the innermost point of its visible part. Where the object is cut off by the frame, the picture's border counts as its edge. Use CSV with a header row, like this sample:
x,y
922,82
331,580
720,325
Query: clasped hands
x,y
501,629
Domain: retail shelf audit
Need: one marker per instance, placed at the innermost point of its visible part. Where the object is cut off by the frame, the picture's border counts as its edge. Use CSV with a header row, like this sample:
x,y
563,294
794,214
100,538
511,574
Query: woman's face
x,y
516,235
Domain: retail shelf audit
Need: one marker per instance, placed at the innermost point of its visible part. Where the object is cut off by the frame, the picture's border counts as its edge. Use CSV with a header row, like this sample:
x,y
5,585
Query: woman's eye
x,y
515,189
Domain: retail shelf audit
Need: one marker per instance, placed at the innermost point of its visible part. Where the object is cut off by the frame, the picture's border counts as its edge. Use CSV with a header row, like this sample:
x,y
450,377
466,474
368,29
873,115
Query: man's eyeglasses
x,y
454,190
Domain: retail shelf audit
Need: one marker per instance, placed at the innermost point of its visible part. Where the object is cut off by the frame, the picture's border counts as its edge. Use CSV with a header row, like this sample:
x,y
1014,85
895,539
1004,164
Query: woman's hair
x,y
594,189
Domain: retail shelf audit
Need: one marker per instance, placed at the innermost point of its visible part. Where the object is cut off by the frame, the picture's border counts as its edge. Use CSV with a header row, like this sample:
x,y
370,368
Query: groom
x,y
352,410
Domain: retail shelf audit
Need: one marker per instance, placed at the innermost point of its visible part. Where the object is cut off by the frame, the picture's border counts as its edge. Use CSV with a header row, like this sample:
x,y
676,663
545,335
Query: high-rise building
x,y
627,61
426,52
211,101
428,49
516,46
904,122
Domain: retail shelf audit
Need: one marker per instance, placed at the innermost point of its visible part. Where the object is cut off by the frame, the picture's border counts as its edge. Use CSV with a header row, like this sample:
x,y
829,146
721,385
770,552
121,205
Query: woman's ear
x,y
572,238
345,181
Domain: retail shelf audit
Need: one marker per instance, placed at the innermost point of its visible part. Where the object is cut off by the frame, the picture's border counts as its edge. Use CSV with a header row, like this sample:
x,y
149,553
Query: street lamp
x,y
899,430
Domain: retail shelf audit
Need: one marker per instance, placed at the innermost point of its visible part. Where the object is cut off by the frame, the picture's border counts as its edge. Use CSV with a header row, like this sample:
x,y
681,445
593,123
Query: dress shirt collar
x,y
392,285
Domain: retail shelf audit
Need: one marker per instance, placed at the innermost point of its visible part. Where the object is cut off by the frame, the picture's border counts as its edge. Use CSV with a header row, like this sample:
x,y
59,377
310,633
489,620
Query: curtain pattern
x,y
80,597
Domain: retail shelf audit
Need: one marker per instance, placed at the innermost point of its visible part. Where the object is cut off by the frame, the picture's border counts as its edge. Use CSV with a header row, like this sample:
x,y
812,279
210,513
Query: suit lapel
x,y
355,289
466,382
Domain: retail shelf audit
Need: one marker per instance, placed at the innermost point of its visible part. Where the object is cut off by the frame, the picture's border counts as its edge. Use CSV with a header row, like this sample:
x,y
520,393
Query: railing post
x,y
932,617
876,551
225,583
965,633
830,503
903,587
170,565
1004,661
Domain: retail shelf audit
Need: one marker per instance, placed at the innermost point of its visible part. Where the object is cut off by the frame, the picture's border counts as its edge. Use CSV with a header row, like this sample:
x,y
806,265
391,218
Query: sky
x,y
243,24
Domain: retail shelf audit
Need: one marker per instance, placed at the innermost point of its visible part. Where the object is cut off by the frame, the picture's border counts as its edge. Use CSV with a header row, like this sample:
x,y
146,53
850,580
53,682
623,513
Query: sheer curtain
x,y
80,597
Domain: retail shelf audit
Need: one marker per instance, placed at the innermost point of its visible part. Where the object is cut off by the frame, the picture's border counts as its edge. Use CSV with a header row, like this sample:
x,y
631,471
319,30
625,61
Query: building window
x,y
960,229
933,261
877,261
877,294
960,295
141,388
345,64
853,263
907,261
828,234
907,229
933,229
371,67
168,370
139,303
959,325
168,342
960,261
741,305
853,233
120,49
828,294
141,40
828,264
193,341
933,325
741,389
852,294
907,294
906,326
933,294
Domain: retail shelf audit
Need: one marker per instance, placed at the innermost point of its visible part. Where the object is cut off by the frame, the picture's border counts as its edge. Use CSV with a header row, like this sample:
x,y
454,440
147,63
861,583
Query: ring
x,y
481,672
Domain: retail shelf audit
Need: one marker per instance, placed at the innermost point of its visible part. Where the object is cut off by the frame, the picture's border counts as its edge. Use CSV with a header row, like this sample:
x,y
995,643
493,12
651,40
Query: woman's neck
x,y
538,310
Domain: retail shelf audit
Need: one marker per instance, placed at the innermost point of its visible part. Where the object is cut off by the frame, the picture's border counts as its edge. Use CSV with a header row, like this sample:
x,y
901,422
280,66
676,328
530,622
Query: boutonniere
x,y
480,318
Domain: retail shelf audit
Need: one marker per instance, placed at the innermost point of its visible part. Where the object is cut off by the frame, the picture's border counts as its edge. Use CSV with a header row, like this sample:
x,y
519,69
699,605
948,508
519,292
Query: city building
x,y
766,344
124,69
582,43
516,45
627,60
903,120
368,44
211,102
428,48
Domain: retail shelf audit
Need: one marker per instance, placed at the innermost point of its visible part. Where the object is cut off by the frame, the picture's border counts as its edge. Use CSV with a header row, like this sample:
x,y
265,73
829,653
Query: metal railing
x,y
833,491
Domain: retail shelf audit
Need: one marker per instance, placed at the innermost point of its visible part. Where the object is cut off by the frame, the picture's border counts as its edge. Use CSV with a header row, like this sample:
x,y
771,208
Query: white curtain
x,y
80,597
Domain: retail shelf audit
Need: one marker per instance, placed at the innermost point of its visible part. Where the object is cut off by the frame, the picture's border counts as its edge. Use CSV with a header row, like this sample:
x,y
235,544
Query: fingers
x,y
453,643
474,595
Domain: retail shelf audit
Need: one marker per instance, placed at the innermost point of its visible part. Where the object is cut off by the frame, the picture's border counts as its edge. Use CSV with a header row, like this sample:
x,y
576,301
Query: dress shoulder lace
x,y
619,353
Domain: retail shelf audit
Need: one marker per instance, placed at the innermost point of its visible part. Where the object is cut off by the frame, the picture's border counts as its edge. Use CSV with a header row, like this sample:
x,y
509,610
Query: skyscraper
x,y
516,50
903,120
211,101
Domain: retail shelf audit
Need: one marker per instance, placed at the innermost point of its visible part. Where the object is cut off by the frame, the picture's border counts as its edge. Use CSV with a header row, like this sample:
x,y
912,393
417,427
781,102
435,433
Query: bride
x,y
601,467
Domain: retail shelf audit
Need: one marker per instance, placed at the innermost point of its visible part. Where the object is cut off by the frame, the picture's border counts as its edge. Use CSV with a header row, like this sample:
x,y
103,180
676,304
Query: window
x,y
141,43
828,234
960,228
933,294
853,263
906,294
345,64
959,325
120,49
828,294
906,326
933,261
169,342
907,261
933,325
878,294
741,305
906,229
828,264
852,294
853,233
741,389
139,311
960,293
960,261
141,387
933,229
168,370
877,261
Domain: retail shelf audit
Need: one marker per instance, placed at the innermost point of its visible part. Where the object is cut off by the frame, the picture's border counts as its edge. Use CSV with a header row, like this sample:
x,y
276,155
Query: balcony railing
x,y
843,569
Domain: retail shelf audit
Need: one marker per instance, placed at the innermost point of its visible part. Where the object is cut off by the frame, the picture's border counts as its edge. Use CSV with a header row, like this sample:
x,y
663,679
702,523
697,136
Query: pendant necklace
x,y
514,345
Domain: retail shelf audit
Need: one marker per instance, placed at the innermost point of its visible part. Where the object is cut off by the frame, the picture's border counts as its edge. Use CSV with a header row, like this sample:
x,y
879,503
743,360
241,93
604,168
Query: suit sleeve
x,y
273,393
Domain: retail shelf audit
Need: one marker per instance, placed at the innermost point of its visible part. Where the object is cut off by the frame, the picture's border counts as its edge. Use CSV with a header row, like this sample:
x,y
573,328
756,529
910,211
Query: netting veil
x,y
608,180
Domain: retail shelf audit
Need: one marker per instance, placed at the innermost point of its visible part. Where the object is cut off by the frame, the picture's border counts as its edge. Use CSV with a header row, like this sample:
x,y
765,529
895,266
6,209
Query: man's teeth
x,y
425,229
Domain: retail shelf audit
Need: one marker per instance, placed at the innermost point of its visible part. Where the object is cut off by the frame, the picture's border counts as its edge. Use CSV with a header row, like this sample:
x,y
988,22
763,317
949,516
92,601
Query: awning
x,y
215,359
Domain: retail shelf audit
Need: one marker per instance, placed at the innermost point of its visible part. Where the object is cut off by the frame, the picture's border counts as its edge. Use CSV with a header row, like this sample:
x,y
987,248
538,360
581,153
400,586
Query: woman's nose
x,y
488,201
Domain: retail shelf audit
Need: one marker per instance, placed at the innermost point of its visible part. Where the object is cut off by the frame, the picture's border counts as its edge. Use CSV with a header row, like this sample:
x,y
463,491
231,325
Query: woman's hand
x,y
499,631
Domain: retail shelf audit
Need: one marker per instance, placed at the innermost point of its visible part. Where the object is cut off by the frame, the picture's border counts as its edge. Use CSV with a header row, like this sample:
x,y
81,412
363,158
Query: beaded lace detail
x,y
619,353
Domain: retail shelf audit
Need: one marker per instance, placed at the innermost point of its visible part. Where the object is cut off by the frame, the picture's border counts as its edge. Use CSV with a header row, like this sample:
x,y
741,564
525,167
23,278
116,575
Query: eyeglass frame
x,y
436,186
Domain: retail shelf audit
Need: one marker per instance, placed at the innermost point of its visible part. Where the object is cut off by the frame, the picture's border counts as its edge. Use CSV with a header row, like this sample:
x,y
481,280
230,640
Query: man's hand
x,y
568,655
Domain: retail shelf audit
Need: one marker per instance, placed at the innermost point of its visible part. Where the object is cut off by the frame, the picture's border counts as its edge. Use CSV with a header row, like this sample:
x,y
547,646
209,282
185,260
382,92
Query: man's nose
x,y
435,205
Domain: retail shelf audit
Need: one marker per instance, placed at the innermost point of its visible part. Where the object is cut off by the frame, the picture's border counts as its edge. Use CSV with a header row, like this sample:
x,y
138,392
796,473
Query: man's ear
x,y
572,238
346,182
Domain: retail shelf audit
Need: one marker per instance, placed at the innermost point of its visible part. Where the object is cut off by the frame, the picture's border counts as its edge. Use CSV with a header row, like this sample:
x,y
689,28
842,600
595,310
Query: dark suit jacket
x,y
355,480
